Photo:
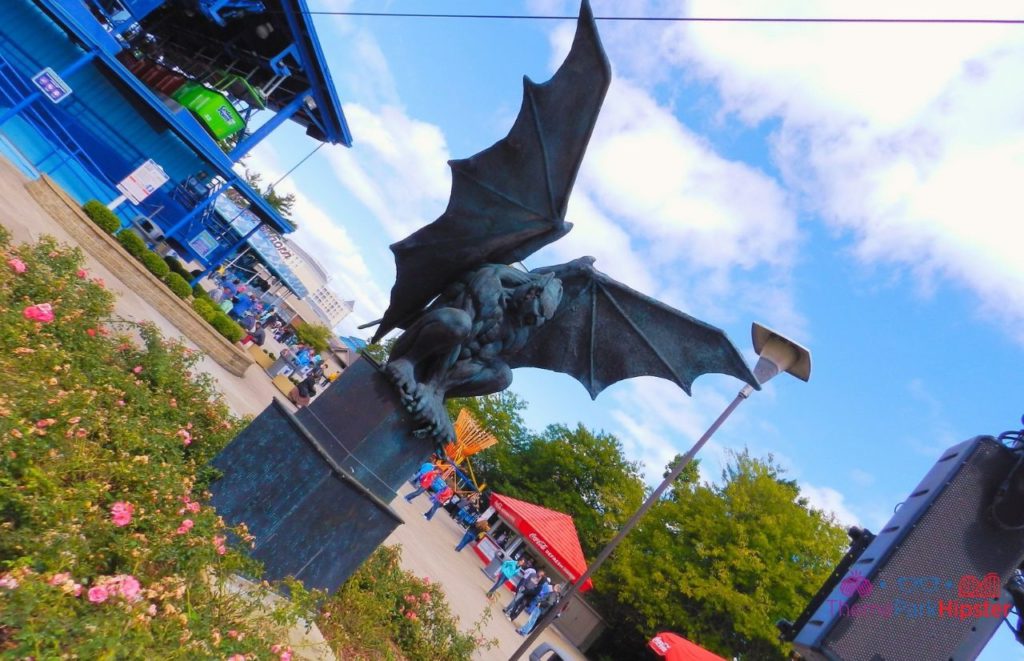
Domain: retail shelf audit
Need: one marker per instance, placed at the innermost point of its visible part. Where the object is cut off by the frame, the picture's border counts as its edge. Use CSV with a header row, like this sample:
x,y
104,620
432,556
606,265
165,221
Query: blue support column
x,y
282,115
13,111
196,211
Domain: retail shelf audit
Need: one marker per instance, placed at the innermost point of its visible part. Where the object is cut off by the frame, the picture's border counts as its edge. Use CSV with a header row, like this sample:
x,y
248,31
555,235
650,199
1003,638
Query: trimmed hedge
x,y
177,267
199,292
227,327
102,216
204,308
133,243
156,264
221,322
178,285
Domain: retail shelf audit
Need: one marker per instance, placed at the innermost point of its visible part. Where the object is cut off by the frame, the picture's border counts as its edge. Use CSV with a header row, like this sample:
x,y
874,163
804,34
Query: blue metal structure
x,y
114,120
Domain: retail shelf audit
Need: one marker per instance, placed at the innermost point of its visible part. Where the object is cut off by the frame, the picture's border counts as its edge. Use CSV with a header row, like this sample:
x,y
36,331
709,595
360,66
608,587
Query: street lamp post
x,y
776,354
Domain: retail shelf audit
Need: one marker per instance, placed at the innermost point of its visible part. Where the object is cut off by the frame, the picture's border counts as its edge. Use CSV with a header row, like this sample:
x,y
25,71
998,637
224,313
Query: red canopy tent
x,y
676,648
552,534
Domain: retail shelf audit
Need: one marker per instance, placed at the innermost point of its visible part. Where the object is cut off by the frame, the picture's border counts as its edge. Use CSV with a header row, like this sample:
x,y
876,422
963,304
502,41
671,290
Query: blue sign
x,y
265,241
50,84
203,243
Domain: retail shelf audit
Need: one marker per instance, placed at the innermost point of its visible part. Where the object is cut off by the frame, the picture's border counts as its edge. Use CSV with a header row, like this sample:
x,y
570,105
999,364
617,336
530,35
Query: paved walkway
x,y
428,550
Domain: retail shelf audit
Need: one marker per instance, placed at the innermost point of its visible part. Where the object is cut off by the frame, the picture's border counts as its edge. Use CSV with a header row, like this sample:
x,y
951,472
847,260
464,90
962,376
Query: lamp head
x,y
777,353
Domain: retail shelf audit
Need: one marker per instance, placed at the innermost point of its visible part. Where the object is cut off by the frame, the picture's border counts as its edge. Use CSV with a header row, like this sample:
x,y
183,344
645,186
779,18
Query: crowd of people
x,y
535,593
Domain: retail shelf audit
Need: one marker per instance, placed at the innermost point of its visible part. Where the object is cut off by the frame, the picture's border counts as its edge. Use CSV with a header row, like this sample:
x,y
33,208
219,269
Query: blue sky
x,y
854,187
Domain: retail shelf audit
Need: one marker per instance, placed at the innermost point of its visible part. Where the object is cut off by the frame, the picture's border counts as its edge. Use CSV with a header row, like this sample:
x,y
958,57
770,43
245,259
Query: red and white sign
x,y
141,183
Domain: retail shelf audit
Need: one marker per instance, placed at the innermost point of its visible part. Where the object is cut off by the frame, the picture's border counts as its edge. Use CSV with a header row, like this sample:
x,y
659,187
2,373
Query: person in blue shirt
x,y
509,570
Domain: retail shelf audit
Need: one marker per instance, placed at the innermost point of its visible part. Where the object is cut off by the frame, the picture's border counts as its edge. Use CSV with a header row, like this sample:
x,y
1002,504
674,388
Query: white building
x,y
326,306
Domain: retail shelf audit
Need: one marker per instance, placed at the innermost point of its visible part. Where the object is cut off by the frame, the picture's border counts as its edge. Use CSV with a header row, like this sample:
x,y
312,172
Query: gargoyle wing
x,y
604,332
509,200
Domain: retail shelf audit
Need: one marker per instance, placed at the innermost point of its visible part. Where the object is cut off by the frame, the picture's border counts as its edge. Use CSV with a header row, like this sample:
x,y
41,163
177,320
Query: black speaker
x,y
930,585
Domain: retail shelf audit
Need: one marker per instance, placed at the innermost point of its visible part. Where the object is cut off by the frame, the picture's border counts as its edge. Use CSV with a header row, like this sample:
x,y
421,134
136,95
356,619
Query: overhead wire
x,y
683,19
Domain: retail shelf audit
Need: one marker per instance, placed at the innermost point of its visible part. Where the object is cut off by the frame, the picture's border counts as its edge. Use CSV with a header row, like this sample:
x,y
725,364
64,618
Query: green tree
x,y
315,335
720,564
283,204
379,350
580,472
501,415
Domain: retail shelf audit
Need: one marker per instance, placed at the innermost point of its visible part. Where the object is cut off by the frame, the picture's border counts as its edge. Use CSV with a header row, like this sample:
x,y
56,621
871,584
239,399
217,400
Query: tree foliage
x,y
315,335
283,204
720,564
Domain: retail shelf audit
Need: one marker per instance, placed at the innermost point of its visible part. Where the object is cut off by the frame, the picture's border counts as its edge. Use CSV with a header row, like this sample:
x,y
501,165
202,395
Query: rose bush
x,y
384,609
107,546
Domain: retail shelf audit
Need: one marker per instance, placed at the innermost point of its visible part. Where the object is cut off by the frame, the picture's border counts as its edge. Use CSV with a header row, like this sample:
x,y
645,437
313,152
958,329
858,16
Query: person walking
x,y
508,570
543,605
427,481
476,530
425,468
440,497
528,592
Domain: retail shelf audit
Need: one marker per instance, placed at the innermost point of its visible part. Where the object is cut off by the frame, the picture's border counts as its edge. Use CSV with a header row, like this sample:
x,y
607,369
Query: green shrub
x,y
177,267
383,606
178,285
156,265
102,216
226,326
133,243
204,308
199,292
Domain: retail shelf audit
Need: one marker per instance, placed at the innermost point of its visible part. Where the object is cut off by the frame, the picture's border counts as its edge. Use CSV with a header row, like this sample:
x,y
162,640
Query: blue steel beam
x,y
280,117
311,56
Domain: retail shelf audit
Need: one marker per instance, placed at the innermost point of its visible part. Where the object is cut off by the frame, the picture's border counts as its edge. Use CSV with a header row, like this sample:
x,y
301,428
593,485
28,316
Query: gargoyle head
x,y
536,301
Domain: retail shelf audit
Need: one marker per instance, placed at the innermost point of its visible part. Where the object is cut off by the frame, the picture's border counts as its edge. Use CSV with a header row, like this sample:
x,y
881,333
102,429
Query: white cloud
x,y
829,501
907,138
399,171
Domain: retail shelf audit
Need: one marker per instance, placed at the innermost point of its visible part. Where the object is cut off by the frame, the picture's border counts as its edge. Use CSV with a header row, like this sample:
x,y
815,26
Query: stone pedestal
x,y
314,488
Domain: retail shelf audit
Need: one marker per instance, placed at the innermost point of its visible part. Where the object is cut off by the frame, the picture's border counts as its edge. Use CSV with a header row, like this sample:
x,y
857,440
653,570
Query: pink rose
x,y
82,274
286,655
91,332
59,579
17,265
129,587
137,369
98,594
187,524
186,437
8,581
151,610
236,657
192,507
121,513
43,313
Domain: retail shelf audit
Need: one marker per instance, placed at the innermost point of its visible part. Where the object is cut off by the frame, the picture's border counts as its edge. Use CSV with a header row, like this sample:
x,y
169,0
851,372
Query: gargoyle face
x,y
537,301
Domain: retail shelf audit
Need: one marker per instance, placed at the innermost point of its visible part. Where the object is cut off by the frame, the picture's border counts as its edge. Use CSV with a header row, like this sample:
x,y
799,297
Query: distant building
x,y
322,304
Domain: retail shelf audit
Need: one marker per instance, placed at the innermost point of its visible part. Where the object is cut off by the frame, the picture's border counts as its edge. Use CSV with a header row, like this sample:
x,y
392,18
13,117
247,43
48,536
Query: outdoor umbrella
x,y
676,648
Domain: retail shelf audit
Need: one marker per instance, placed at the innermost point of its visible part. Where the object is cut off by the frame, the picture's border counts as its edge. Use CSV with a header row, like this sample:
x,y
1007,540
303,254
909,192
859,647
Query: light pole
x,y
776,353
